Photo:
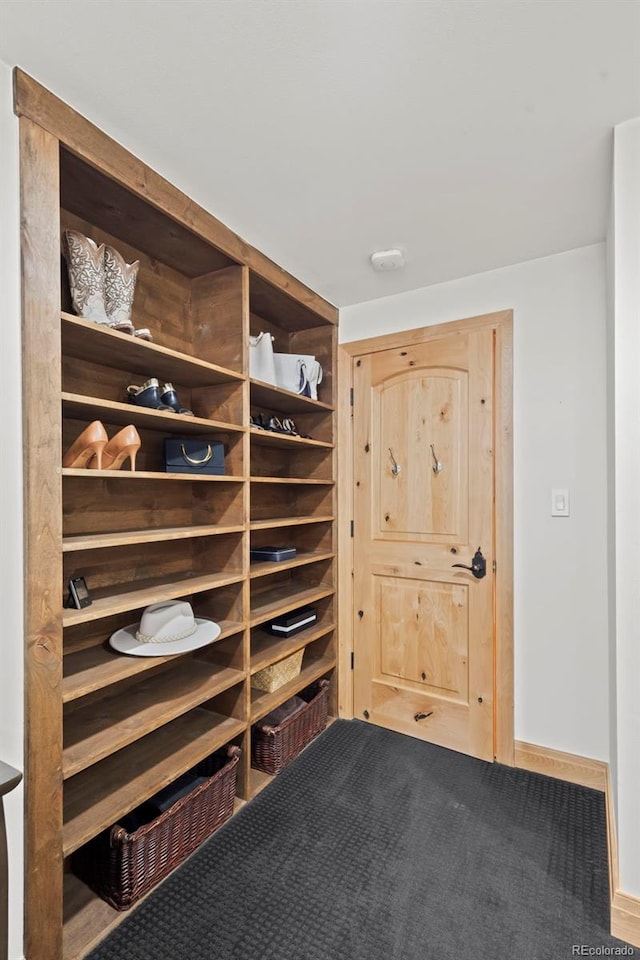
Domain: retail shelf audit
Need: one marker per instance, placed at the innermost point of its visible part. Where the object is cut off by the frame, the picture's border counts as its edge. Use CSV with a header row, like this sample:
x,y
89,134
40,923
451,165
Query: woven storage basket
x,y
275,676
121,867
272,748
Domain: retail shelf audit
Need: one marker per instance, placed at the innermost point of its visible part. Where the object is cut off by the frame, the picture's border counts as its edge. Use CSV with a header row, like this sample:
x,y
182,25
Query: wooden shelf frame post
x,y
40,241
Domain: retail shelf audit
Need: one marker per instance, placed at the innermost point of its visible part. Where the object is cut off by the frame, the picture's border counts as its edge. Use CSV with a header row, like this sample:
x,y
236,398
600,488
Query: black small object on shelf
x,y
78,596
291,623
272,553
194,455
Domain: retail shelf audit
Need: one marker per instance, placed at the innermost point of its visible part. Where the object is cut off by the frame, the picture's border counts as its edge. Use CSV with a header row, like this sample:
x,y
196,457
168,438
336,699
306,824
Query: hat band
x,y
147,638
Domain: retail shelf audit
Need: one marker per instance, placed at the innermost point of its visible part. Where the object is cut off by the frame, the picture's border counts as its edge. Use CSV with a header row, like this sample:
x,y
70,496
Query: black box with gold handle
x,y
193,455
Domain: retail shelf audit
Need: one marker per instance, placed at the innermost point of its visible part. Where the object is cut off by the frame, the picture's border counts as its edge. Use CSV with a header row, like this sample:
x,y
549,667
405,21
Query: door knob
x,y
478,565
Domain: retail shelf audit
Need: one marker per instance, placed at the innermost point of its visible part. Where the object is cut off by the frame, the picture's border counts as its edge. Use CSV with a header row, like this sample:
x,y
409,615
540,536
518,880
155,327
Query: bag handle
x,y
304,387
255,340
194,461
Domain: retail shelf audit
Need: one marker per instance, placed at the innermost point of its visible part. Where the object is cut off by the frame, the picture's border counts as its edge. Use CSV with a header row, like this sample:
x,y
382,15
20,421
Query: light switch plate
x,y
560,503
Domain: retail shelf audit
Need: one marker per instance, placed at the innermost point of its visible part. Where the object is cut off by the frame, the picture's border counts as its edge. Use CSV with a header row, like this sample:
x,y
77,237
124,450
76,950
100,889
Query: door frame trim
x,y
502,325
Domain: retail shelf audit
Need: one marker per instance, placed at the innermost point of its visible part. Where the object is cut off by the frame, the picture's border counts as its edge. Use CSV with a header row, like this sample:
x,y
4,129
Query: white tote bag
x,y
291,371
298,372
314,376
261,364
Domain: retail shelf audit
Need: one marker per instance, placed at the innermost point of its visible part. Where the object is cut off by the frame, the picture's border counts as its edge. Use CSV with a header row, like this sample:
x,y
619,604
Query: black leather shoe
x,y
169,396
148,395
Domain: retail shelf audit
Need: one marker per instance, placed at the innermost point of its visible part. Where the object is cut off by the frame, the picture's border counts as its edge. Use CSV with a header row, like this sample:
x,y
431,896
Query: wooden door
x,y
424,494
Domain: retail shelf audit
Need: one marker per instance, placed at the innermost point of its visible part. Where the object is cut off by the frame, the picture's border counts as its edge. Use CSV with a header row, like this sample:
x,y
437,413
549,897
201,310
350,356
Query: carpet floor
x,y
376,846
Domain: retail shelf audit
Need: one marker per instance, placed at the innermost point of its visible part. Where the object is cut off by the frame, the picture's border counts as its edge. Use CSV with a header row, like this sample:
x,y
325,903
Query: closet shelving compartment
x,y
104,731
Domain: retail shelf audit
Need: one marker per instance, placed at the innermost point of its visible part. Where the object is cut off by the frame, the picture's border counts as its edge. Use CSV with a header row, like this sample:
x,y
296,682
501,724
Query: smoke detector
x,y
386,260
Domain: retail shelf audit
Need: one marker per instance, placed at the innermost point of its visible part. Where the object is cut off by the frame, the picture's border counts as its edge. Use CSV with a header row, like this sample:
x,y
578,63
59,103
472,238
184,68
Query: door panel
x,y
423,633
422,424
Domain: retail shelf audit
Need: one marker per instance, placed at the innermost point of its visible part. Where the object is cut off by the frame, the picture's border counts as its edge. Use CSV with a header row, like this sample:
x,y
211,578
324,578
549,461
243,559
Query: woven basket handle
x,y
117,835
269,731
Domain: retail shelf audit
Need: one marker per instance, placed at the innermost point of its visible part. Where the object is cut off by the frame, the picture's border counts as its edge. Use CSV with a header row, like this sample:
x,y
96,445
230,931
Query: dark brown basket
x,y
121,867
273,747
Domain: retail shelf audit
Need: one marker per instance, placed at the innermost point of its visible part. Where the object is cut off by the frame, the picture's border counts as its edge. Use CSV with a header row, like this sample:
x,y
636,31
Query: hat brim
x,y
124,641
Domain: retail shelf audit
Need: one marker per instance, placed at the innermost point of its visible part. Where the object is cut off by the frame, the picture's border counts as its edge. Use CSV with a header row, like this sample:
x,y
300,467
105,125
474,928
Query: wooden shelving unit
x,y
123,538
262,703
146,475
95,798
81,337
266,650
137,596
77,407
269,438
266,395
262,568
279,599
107,731
95,667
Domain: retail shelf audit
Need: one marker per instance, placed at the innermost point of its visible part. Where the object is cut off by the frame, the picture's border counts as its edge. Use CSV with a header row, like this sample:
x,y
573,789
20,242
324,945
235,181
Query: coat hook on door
x,y
395,466
437,466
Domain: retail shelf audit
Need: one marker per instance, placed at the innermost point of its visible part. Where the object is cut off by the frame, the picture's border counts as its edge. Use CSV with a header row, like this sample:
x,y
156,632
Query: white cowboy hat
x,y
165,628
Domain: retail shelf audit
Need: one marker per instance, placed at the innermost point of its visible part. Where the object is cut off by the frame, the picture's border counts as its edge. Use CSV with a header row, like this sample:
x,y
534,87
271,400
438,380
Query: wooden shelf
x,y
83,338
124,538
142,594
87,918
95,668
267,438
126,726
95,798
263,703
298,481
274,398
261,568
259,780
91,408
277,305
288,521
277,600
147,475
97,729
266,650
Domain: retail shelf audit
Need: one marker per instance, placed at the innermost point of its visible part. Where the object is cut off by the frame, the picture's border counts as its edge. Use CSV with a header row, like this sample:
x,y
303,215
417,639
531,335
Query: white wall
x,y
611,510
11,582
626,291
561,645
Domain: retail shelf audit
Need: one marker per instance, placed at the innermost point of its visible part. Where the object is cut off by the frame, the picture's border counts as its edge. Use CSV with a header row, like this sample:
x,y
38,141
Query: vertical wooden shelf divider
x,y
202,291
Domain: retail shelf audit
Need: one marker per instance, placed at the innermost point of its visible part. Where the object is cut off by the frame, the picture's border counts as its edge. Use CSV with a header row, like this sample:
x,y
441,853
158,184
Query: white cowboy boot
x,y
119,287
85,265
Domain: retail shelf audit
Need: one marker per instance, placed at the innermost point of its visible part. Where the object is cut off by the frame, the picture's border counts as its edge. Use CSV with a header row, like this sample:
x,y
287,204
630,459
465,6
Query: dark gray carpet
x,y
375,846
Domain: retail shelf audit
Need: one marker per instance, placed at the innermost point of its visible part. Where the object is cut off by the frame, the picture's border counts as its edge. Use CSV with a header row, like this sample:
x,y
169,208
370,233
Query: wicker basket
x,y
121,867
272,748
273,677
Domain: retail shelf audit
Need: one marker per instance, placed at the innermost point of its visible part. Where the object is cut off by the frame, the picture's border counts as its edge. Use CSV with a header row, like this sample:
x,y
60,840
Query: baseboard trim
x,y
624,924
563,766
625,909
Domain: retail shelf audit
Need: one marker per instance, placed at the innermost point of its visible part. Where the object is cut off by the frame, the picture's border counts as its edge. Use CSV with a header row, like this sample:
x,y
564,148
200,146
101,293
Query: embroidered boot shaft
x,y
85,265
119,287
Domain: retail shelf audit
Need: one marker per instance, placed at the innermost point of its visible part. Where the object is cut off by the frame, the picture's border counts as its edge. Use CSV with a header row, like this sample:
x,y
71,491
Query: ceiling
x,y
470,133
